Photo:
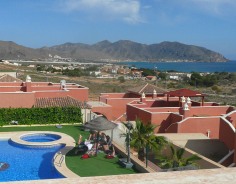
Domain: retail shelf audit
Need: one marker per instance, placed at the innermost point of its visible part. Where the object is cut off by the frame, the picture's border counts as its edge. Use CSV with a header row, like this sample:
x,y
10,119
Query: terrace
x,y
163,112
99,166
95,166
24,94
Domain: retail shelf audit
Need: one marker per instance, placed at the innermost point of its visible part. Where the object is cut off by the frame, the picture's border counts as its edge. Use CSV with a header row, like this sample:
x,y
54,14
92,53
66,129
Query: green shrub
x,y
121,79
50,115
216,88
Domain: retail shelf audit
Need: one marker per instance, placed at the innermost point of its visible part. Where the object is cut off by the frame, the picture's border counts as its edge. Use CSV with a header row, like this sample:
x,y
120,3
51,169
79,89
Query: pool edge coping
x,y
58,162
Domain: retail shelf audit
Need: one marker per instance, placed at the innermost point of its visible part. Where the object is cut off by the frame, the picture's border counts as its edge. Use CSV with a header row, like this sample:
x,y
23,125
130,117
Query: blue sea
x,y
229,66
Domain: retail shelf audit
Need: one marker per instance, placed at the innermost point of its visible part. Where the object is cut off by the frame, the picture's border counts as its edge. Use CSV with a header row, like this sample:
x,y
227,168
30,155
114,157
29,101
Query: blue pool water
x,y
40,137
27,163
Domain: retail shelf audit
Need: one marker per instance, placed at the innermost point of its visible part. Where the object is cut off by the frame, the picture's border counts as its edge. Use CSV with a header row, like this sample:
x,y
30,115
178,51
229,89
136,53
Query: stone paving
x,y
213,176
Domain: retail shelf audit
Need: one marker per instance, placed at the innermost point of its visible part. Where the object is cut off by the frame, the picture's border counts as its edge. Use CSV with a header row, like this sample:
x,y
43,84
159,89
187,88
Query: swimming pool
x,y
40,137
27,162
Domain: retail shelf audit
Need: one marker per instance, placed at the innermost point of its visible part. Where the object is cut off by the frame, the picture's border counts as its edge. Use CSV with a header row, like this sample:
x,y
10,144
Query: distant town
x,y
97,69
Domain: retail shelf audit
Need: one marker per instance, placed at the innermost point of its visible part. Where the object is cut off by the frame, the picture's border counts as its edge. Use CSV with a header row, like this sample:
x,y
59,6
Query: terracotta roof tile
x,y
59,102
147,89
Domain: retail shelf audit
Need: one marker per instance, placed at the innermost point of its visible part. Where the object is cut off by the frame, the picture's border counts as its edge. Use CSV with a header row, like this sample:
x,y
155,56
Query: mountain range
x,y
123,50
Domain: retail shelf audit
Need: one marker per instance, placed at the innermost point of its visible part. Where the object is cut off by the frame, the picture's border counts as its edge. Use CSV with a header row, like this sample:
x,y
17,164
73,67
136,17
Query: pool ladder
x,y
60,160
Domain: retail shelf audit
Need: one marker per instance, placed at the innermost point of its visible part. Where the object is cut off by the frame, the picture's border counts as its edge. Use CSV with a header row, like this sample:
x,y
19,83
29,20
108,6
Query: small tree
x,y
162,75
176,159
143,138
216,88
121,79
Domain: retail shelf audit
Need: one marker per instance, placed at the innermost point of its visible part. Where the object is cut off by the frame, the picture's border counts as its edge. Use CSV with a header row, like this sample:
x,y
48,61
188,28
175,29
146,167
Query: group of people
x,y
95,141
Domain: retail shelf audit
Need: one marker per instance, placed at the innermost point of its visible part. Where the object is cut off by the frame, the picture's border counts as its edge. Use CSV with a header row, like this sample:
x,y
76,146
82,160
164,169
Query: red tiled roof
x,y
147,89
59,102
150,76
185,93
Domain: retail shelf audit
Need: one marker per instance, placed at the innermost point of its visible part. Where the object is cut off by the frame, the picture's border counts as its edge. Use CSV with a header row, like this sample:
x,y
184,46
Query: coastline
x,y
229,66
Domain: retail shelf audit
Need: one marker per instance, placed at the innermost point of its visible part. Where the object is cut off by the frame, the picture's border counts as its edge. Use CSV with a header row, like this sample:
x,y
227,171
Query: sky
x,y
38,23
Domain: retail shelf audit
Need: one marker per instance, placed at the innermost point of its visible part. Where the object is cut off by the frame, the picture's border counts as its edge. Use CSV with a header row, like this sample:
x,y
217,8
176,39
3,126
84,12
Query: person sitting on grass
x,y
107,145
92,152
111,153
80,145
101,140
108,140
93,136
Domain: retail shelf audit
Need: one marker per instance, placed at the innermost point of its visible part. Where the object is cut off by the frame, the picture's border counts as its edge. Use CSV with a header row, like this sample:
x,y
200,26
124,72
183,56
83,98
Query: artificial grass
x,y
95,166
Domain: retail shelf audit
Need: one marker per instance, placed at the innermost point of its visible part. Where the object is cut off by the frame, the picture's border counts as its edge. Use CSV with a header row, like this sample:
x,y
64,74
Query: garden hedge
x,y
50,115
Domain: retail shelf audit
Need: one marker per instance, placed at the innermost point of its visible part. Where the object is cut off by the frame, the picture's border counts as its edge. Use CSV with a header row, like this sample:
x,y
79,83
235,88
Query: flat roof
x,y
182,138
97,104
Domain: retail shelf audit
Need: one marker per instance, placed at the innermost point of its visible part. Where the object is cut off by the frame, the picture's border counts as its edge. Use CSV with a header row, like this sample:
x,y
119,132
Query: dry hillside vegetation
x,y
97,86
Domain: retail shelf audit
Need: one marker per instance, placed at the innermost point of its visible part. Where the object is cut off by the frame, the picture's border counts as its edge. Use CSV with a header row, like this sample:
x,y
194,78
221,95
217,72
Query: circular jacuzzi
x,y
40,137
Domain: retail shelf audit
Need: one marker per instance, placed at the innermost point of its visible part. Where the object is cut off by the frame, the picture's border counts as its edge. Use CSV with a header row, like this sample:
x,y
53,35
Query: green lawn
x,y
95,166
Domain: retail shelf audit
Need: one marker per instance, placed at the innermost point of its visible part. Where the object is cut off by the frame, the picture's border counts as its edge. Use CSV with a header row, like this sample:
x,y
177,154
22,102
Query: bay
x,y
229,66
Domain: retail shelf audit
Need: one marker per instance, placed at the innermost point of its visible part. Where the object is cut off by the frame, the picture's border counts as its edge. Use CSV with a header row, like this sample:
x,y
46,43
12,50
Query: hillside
x,y
120,50
11,50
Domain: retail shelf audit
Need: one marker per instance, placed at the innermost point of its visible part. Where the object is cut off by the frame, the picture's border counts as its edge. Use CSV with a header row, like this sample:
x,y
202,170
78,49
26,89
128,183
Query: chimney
x,y
28,78
189,102
184,110
143,98
154,94
63,84
28,84
182,101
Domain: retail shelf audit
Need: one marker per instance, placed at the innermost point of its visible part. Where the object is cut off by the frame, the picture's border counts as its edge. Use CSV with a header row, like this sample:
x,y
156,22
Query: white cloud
x,y
170,20
126,10
215,7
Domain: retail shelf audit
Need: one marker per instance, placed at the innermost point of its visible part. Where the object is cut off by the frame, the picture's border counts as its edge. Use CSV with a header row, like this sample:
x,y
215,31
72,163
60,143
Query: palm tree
x,y
176,159
143,138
